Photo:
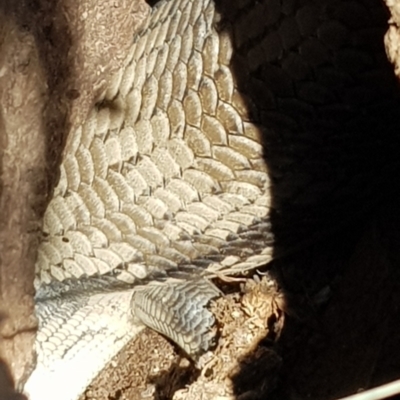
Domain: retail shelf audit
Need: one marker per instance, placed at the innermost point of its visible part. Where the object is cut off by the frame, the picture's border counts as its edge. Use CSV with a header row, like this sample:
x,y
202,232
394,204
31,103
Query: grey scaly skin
x,y
179,311
143,197
166,176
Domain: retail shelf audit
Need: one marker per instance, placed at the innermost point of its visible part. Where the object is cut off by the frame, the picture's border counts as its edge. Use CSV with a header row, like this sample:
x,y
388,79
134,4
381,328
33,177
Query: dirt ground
x,y
337,340
150,367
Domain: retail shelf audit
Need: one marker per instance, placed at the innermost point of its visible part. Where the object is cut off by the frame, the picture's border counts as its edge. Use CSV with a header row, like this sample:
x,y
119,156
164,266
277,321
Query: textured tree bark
x,y
56,59
392,38
24,189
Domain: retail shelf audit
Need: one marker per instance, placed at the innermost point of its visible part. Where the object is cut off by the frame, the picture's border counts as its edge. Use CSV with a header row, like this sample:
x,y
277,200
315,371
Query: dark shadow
x,y
7,391
258,374
177,377
318,82
152,3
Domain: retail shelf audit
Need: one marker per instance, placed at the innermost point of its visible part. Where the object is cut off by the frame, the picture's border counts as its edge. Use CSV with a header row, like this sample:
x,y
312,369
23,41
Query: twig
x,y
379,393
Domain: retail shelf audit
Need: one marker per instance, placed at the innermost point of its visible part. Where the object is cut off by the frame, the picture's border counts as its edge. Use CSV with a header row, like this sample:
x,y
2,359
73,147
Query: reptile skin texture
x,y
178,311
169,179
164,176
